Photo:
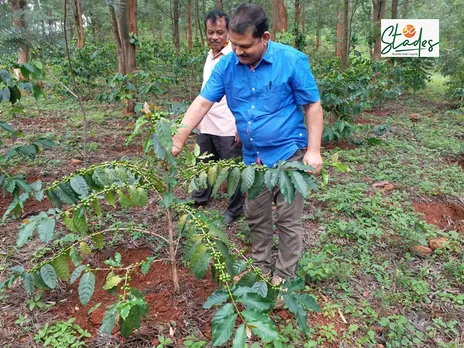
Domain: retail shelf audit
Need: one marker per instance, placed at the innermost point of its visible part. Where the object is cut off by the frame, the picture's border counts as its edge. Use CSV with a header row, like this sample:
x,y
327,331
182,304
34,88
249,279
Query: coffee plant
x,y
16,185
80,199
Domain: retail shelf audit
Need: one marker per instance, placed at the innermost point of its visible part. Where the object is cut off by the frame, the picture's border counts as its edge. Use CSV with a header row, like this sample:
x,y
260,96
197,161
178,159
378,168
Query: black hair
x,y
214,15
249,16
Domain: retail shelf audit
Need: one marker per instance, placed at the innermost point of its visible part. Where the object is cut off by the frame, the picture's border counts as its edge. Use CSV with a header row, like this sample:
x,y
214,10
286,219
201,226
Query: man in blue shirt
x,y
268,85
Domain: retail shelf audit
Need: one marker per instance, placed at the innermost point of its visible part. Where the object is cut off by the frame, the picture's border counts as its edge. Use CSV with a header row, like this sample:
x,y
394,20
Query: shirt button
x,y
301,135
251,139
249,122
252,106
253,89
257,152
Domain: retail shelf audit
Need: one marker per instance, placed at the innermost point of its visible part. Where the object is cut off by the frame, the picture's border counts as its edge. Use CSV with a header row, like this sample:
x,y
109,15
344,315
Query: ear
x,y
266,37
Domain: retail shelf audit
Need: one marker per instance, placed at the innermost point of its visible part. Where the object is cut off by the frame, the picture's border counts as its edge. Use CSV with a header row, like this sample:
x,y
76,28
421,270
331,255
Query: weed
x,y
62,334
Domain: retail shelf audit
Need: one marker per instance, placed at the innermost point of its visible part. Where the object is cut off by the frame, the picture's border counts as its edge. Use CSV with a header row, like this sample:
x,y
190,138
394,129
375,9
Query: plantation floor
x,y
367,235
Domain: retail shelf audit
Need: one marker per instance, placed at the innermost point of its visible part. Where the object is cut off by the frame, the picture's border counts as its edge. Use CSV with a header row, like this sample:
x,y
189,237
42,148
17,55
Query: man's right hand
x,y
176,150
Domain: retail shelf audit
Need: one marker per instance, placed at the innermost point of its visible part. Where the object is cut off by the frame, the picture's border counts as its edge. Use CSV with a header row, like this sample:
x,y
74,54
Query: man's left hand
x,y
314,160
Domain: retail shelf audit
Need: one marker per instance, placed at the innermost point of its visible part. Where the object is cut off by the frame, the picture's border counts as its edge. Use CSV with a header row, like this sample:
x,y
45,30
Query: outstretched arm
x,y
314,122
195,113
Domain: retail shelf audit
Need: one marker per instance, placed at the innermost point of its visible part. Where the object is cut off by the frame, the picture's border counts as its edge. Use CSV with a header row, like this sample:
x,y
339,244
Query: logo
x,y
410,37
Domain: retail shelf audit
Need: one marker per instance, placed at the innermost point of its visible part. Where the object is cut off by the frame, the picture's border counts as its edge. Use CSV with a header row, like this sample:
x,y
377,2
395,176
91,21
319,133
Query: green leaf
x,y
48,275
68,222
223,324
163,131
308,302
25,232
109,319
160,151
295,285
65,194
53,197
295,307
299,183
260,287
248,279
84,248
126,326
286,187
99,241
79,186
96,207
37,91
76,273
257,186
212,174
233,181
216,298
200,261
110,199
75,257
100,178
80,220
112,280
28,280
45,229
256,301
261,325
61,267
86,287
218,232
138,196
220,179
248,178
240,337
123,199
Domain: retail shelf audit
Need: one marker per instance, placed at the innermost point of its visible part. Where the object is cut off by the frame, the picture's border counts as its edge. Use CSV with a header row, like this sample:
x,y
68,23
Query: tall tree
x,y
395,9
198,21
19,7
175,24
117,38
378,15
76,7
345,35
279,17
133,30
189,24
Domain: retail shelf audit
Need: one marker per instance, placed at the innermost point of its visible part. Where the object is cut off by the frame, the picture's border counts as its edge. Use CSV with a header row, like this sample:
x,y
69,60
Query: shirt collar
x,y
226,50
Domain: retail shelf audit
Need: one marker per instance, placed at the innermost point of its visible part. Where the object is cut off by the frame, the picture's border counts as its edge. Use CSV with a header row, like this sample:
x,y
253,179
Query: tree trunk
x,y
296,13
345,35
279,17
296,18
371,35
131,62
200,28
79,24
394,9
161,34
379,13
302,16
189,24
18,7
338,40
175,24
218,4
119,49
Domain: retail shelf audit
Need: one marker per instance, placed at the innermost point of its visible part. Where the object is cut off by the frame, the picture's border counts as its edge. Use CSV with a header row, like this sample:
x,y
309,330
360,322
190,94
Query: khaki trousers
x,y
258,214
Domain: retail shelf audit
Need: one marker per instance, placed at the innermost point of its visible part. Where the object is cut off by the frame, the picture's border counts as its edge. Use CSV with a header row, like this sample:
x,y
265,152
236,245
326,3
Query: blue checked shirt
x,y
266,101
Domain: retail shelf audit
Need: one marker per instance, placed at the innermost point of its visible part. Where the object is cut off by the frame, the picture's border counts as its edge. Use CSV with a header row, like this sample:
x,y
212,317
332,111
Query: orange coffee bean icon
x,y
409,31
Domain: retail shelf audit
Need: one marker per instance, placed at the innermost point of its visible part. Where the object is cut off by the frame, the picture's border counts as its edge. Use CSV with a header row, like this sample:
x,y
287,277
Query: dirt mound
x,y
446,216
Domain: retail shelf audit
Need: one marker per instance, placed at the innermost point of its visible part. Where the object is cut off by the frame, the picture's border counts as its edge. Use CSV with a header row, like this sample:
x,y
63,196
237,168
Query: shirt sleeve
x,y
303,84
214,90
